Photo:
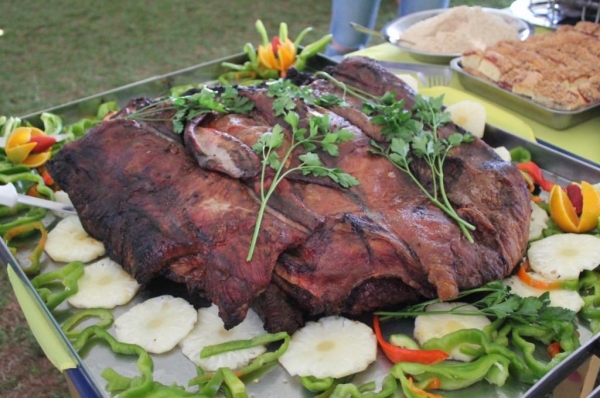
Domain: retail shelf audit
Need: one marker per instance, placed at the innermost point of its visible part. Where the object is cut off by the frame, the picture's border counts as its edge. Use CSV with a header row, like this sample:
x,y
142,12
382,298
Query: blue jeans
x,y
364,12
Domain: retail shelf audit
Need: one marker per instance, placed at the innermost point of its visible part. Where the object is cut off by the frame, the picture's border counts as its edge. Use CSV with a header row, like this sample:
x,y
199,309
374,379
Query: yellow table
x,y
582,139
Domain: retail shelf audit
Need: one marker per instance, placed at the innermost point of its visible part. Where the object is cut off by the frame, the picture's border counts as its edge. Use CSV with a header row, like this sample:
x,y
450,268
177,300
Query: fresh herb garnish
x,y
285,93
498,303
330,100
190,106
317,135
409,139
207,101
234,103
392,116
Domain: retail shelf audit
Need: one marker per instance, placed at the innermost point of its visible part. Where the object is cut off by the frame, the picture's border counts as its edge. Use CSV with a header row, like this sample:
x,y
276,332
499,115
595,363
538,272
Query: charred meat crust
x,y
164,207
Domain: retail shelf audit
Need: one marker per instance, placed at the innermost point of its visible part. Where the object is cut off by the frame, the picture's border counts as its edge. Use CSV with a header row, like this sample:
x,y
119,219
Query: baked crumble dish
x,y
559,70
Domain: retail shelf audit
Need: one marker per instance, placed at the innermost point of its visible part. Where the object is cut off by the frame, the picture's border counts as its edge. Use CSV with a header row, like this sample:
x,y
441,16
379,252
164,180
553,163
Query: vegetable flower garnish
x,y
278,54
274,57
29,146
575,210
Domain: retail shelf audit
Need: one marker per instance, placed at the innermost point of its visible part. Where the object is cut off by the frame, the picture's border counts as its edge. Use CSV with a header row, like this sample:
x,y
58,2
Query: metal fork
x,y
428,75
442,79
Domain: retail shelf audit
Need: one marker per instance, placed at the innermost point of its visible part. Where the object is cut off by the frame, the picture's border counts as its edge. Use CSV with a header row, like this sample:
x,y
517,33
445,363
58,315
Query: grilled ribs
x,y
185,210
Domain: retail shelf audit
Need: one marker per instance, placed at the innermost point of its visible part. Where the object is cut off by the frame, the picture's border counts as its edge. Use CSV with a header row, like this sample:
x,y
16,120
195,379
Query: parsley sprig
x,y
286,93
206,101
498,303
318,135
188,107
415,135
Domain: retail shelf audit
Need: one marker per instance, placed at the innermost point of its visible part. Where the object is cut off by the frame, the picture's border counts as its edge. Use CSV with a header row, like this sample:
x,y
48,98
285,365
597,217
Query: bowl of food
x,y
438,36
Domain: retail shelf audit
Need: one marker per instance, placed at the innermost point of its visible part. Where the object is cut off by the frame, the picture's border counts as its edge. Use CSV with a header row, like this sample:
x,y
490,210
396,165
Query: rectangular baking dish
x,y
83,369
556,119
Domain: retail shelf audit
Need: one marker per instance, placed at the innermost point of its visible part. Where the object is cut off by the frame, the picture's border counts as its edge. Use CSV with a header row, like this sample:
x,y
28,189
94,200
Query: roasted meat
x,y
185,209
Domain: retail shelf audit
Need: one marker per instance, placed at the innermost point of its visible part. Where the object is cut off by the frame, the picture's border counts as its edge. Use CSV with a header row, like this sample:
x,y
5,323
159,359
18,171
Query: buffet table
x,y
582,140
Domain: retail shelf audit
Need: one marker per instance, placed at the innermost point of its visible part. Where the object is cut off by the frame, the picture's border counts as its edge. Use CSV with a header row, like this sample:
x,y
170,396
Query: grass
x,y
56,51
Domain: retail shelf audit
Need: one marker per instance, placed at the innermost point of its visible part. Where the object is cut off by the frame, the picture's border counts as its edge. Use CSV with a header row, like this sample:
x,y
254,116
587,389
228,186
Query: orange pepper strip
x,y
537,283
398,354
554,349
287,55
433,384
421,393
48,180
266,57
36,254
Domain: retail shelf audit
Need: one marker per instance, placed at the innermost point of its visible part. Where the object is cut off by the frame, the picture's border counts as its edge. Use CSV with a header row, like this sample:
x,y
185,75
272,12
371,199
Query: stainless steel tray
x,y
556,119
173,367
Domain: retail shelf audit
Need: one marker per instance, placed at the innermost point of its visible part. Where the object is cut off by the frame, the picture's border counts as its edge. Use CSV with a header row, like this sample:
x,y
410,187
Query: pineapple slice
x,y
62,197
470,115
539,222
564,256
157,324
210,331
410,81
558,298
104,284
503,153
68,242
431,326
332,347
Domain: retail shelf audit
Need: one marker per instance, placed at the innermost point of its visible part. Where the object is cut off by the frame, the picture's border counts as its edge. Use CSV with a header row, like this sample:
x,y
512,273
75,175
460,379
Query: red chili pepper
x,y
43,143
574,194
275,43
48,180
536,173
398,354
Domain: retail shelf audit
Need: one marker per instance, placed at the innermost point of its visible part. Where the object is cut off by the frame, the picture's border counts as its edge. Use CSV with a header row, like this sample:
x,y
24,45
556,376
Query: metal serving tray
x,y
396,28
173,367
554,118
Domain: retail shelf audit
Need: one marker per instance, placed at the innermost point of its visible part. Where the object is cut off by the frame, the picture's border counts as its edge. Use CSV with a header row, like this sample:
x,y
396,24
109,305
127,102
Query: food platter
x,y
173,367
394,30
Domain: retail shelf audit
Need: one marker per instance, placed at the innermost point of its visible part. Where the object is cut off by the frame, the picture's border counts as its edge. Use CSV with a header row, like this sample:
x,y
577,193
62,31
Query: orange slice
x,y
563,212
591,207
